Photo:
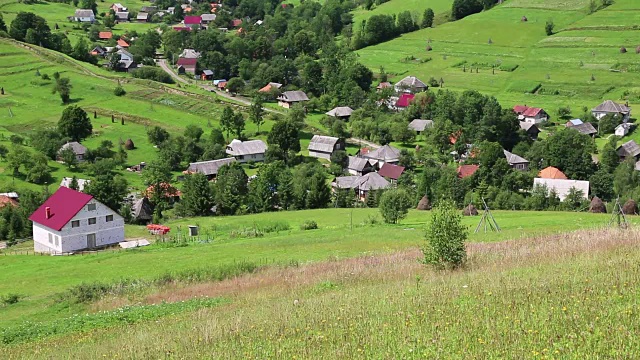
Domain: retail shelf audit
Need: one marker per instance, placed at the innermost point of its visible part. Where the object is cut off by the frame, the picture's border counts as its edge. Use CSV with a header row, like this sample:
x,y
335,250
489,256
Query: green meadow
x,y
416,7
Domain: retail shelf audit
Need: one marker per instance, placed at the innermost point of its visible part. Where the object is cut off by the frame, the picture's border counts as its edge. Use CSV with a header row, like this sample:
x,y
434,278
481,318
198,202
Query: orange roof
x,y
467,170
170,190
453,138
123,43
104,35
551,173
5,200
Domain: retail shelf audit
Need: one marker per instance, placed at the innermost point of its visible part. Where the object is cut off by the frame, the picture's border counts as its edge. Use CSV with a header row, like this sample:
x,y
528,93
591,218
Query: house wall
x,y
252,157
621,131
73,239
537,119
320,155
599,115
284,104
85,19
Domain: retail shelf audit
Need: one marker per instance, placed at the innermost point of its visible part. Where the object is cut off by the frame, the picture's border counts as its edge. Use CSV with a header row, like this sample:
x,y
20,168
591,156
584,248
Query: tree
x,y
157,176
197,196
266,190
405,22
463,8
427,18
608,124
157,135
74,123
109,21
193,132
238,124
570,151
548,27
235,85
230,189
625,178
38,171
63,88
564,112
27,20
394,205
3,152
74,184
256,112
609,158
446,237
601,185
89,4
48,142
285,134
3,26
108,189
68,157
319,194
227,120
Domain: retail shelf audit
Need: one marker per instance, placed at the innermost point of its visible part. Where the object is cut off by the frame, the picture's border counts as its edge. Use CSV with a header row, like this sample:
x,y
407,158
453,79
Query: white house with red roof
x,y
530,115
69,221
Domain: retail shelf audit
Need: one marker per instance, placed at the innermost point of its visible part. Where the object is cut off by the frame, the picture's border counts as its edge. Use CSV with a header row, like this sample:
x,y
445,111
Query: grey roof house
x,y
419,125
383,155
77,148
359,166
84,15
531,129
585,128
610,107
290,98
361,184
340,112
122,16
244,151
410,84
517,162
629,149
209,168
324,146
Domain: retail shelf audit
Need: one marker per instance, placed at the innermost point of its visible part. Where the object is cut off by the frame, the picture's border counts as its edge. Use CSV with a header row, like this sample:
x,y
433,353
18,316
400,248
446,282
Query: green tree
x,y
235,85
286,135
68,157
256,112
3,25
625,178
193,132
427,18
38,171
266,190
3,152
197,196
570,151
238,124
608,124
227,120
446,237
231,189
463,8
108,189
157,176
609,159
157,135
601,185
74,184
319,194
394,205
75,124
27,20
47,141
63,88
548,27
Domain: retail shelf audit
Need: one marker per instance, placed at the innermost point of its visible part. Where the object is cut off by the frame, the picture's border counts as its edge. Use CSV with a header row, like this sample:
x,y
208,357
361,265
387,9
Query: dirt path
x,y
358,141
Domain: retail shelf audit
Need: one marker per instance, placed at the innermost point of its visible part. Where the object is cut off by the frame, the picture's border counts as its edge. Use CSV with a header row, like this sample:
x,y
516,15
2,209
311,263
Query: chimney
x,y
47,212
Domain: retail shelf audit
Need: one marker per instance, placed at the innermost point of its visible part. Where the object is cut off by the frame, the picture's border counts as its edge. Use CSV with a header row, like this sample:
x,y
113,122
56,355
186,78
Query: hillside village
x,y
171,125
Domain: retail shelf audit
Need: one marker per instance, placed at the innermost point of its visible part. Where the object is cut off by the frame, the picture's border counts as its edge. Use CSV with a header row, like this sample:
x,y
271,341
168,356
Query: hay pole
x,y
619,216
487,219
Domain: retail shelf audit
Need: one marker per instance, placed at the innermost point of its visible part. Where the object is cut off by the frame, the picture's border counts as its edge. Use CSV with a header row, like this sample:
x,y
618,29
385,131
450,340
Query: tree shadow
x,y
74,101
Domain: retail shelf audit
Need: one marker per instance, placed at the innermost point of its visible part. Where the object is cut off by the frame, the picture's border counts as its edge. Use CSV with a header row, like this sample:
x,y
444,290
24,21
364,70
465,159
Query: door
x,y
91,241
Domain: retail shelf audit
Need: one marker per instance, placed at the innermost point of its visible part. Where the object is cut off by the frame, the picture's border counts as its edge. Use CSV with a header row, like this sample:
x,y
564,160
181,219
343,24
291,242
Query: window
x,y
57,240
92,221
75,223
50,238
109,218
91,207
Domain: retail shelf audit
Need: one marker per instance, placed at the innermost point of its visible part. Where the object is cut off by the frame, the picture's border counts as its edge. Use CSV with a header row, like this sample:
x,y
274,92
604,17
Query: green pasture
x,y
416,7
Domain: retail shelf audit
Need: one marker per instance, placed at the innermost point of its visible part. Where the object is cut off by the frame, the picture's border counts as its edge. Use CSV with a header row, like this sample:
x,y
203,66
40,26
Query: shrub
x,y
394,205
309,225
45,77
119,91
548,28
153,73
9,299
446,237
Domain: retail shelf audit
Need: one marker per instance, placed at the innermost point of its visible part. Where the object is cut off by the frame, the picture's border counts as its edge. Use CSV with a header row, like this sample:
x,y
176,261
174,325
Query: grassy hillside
x,y
564,296
29,104
342,233
417,8
531,68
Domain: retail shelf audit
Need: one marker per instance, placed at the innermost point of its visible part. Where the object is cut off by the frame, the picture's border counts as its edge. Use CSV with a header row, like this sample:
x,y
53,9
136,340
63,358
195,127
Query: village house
x,y
402,102
290,98
105,35
419,125
126,62
622,129
410,84
206,74
585,128
77,148
208,168
516,162
245,151
66,182
7,201
384,85
191,21
122,43
122,16
562,187
149,9
187,66
532,130
98,51
12,195
610,107
359,166
207,18
551,172
270,87
530,114
117,7
189,54
628,150
340,112
383,155
391,172
69,221
236,23
84,15
142,211
361,185
465,171
143,17
574,122
324,146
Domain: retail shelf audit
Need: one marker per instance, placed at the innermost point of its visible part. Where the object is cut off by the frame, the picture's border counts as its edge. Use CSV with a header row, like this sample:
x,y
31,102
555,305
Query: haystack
x,y
429,48
424,204
630,207
524,19
490,41
129,145
597,206
470,210
638,50
623,50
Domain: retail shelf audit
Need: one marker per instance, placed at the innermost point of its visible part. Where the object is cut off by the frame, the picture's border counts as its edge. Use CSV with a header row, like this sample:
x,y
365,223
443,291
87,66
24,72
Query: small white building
x,y
563,186
70,221
323,147
622,129
66,182
410,84
245,151
84,15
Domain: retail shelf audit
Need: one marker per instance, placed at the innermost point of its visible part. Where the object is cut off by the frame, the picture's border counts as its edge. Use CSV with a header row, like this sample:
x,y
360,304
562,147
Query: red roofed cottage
x,y
70,221
530,114
187,65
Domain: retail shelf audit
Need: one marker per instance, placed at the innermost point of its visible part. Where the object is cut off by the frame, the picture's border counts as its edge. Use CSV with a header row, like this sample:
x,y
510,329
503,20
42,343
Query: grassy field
x,y
531,68
417,8
560,296
342,233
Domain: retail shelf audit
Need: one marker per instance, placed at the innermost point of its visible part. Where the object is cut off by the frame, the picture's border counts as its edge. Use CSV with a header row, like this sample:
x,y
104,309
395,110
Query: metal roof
x,y
340,111
60,208
386,153
323,143
77,148
293,96
370,181
612,107
357,163
241,148
514,159
84,13
420,125
630,148
210,167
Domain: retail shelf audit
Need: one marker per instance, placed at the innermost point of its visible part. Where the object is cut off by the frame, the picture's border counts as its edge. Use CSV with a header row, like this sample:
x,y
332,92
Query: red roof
x,y
519,109
181,28
391,171
5,200
552,173
123,43
405,100
105,35
187,61
63,205
236,22
222,84
453,138
170,190
192,20
532,112
467,170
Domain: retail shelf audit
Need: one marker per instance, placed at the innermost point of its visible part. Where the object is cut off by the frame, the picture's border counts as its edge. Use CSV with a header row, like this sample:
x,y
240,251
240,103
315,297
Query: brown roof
x,y
551,173
105,35
5,200
630,148
391,171
467,170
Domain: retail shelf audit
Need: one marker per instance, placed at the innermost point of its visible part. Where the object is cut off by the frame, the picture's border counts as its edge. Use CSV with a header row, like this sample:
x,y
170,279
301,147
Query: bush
x,y
10,299
309,225
45,77
548,28
119,91
153,73
445,237
394,205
